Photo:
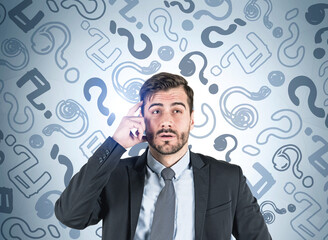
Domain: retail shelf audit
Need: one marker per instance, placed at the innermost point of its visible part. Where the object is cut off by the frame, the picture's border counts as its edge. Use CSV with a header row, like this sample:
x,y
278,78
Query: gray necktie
x,y
163,221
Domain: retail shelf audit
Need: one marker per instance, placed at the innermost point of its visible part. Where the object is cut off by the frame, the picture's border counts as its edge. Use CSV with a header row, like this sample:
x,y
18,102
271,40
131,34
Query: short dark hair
x,y
162,82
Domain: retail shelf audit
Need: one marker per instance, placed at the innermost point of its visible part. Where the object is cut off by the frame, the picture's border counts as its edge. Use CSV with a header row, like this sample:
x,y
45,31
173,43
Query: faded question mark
x,y
97,82
220,144
13,48
294,127
282,160
190,9
200,131
44,40
162,13
214,3
188,67
25,231
142,54
172,36
307,82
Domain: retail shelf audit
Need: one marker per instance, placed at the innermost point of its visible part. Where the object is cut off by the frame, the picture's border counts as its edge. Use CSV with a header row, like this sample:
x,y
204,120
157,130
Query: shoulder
x,y
219,166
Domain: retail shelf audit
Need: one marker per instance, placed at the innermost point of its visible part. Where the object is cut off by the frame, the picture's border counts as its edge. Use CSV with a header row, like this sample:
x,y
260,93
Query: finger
x,y
135,108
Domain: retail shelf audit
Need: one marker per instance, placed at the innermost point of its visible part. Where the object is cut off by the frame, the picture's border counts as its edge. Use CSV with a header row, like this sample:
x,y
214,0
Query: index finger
x,y
135,108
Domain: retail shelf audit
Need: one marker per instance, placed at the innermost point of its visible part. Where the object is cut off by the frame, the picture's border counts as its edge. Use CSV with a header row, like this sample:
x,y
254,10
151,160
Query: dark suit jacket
x,y
110,189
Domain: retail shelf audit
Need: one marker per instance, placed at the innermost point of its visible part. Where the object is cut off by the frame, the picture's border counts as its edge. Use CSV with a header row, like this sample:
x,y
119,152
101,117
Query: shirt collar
x,y
178,167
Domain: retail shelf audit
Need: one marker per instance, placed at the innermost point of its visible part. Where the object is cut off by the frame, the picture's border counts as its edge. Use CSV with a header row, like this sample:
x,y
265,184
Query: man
x,y
194,197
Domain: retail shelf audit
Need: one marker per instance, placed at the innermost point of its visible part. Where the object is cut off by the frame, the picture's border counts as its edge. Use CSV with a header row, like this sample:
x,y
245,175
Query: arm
x,y
248,221
80,205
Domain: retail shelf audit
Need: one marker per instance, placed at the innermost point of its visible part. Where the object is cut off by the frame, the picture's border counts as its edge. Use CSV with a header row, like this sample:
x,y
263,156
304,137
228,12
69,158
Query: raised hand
x,y
123,134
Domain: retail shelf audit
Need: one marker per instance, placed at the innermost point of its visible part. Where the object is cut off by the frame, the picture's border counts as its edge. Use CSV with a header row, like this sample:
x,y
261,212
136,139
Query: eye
x,y
155,112
177,111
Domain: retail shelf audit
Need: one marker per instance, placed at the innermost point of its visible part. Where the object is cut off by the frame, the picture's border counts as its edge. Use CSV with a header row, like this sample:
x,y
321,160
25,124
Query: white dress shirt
x,y
184,226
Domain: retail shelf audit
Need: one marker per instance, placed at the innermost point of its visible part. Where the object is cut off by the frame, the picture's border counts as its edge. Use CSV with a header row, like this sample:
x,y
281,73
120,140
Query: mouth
x,y
166,135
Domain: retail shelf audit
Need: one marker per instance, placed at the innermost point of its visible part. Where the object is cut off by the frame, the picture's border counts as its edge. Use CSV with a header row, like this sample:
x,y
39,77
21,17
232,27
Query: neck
x,y
168,160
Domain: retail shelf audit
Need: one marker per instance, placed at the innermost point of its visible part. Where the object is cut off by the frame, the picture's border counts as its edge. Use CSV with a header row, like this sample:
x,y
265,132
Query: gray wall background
x,y
70,70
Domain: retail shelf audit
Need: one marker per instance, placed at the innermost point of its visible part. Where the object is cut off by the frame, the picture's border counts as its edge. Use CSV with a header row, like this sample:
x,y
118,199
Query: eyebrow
x,y
173,104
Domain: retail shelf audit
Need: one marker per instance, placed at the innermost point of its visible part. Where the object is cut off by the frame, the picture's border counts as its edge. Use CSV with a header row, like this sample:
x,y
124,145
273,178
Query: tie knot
x,y
167,173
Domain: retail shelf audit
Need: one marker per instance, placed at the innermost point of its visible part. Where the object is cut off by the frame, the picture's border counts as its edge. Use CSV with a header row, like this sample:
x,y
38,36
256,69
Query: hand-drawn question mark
x,y
205,36
68,111
97,11
283,56
269,216
188,67
190,9
129,90
295,126
211,3
19,126
13,48
161,13
282,160
44,40
142,54
220,144
242,116
307,82
25,232
97,82
252,12
199,130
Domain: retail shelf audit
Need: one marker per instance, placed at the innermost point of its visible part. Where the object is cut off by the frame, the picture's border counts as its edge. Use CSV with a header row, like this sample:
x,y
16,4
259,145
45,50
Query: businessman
x,y
168,192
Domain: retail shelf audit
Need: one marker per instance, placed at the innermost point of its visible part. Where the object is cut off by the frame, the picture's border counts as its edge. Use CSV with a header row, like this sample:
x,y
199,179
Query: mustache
x,y
166,131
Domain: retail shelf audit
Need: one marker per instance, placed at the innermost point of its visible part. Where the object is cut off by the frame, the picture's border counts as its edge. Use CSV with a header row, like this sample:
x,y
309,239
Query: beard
x,y
166,148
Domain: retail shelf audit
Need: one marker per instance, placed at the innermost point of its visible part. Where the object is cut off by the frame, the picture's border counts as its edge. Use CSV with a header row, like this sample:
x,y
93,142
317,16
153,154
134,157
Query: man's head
x,y
168,113
163,82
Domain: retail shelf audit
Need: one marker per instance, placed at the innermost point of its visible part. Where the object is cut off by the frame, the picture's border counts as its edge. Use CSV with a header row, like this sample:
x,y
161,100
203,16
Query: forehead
x,y
172,95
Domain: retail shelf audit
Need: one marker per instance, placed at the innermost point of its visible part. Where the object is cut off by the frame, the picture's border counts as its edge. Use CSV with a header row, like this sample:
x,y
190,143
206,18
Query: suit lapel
x,y
137,179
201,184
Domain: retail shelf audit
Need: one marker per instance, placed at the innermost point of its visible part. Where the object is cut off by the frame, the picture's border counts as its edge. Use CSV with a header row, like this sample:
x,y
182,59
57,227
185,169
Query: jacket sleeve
x,y
248,221
80,203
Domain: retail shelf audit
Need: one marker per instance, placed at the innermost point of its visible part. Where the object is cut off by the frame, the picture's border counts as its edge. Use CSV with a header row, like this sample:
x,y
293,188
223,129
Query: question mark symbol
x,y
25,231
124,32
220,144
319,53
281,161
187,10
13,48
295,126
97,82
188,68
162,13
307,82
43,42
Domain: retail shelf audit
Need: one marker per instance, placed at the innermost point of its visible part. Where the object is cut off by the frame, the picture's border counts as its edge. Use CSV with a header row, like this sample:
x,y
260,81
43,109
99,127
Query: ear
x,y
192,121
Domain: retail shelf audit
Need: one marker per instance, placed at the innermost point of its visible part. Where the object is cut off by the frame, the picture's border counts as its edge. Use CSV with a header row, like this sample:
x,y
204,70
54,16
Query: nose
x,y
166,121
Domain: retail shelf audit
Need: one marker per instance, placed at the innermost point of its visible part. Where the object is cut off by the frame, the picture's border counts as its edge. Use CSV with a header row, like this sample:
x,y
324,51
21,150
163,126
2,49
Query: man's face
x,y
168,121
